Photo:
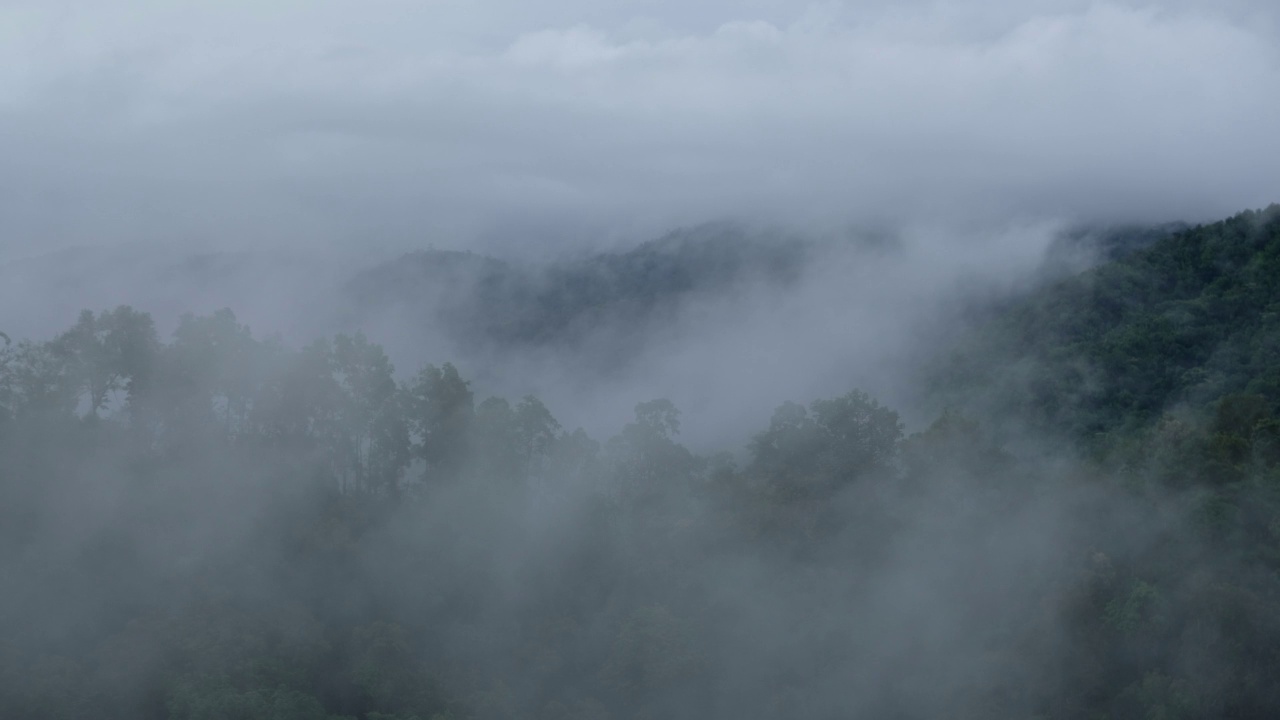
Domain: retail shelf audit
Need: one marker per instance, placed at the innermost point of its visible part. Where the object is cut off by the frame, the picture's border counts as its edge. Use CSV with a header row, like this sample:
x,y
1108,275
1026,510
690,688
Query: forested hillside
x,y
1179,324
215,525
484,303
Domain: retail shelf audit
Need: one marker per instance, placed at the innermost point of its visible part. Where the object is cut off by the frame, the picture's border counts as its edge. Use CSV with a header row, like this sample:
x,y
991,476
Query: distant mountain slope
x,y
484,302
1189,319
1083,247
278,291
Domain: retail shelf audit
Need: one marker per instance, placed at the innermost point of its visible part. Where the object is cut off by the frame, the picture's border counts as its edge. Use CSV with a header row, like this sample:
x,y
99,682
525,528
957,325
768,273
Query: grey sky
x,y
396,122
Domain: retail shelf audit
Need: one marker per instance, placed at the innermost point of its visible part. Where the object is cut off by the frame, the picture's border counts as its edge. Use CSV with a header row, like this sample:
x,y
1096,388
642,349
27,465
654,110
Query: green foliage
x,y
650,654
1129,612
1192,318
481,300
222,527
817,451
645,457
953,444
440,411
1159,697
211,699
105,353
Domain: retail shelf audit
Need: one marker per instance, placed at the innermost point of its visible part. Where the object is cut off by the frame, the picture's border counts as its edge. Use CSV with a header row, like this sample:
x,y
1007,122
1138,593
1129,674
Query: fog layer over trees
x,y
211,524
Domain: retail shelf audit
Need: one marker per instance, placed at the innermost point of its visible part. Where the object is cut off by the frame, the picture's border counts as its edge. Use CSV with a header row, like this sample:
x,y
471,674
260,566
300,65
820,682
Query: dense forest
x,y
217,525
609,302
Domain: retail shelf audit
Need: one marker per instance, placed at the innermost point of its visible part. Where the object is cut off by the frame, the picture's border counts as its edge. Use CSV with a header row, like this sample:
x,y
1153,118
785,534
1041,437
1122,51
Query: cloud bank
x,y
393,123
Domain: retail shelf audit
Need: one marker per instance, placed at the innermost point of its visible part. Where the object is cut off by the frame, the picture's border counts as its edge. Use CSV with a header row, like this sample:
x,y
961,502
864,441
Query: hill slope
x,y
1186,321
484,302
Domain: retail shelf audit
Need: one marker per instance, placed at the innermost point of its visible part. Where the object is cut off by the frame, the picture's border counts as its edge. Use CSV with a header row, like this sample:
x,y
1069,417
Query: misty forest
x,y
1080,518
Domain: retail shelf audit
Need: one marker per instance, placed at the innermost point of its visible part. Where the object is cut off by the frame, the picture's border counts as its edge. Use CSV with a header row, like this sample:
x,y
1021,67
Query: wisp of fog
x,y
434,360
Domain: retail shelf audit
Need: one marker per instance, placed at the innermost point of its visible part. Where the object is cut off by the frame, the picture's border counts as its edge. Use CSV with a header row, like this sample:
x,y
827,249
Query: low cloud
x,y
485,124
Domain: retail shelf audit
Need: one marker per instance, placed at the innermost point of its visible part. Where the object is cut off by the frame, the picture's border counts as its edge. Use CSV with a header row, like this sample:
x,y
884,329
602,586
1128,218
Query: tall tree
x,y
371,446
108,352
441,409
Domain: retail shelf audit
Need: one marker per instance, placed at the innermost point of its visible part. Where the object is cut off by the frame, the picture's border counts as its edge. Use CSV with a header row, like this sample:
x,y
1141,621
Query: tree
x,y
860,434
111,351
214,369
536,430
440,414
7,389
498,453
647,461
817,451
373,448
952,446
787,455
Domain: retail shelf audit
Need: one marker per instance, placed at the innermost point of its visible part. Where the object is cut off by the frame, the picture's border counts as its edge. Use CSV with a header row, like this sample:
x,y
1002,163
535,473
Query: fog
x,y
313,140
632,319
858,312
494,124
321,138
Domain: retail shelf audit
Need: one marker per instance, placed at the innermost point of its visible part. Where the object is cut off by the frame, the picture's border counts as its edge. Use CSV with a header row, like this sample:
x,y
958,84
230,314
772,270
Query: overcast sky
x,y
481,122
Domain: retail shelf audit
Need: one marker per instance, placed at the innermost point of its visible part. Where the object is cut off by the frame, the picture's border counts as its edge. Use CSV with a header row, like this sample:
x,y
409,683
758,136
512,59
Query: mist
x,y
491,125
437,360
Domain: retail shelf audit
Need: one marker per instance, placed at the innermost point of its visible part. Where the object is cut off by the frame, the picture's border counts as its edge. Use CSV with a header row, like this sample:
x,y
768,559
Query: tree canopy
x,y
214,525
